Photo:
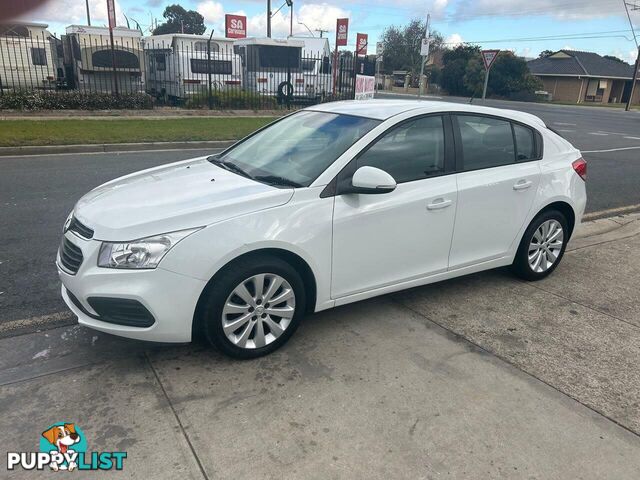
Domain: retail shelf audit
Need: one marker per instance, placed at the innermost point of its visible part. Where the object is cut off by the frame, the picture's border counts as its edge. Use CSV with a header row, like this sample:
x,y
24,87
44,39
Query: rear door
x,y
497,183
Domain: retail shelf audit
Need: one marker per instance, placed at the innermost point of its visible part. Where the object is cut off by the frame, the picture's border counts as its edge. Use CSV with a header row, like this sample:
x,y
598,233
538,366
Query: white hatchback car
x,y
329,205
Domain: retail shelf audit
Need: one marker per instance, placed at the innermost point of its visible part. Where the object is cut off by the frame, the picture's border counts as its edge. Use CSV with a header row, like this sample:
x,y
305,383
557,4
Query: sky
x,y
522,26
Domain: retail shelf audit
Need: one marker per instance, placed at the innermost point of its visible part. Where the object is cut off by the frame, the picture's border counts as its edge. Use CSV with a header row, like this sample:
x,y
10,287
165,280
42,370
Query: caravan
x,y
28,57
92,66
316,67
179,65
272,66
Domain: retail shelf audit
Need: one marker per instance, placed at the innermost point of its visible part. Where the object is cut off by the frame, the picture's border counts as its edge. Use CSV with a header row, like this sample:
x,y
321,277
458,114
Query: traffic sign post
x,y
424,54
488,57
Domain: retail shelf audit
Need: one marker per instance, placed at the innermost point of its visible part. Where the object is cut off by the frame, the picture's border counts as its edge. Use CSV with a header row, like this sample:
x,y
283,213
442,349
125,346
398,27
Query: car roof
x,y
384,109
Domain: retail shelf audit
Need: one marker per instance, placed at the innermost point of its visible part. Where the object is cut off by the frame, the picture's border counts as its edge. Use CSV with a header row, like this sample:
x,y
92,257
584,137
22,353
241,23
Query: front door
x,y
384,239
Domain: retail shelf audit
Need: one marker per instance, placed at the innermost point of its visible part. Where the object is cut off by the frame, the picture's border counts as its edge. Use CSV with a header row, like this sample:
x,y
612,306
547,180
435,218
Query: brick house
x,y
585,77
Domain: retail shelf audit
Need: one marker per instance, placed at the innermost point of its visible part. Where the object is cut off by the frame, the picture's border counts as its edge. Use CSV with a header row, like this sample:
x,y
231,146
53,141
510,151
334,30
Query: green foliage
x,y
232,100
455,67
178,19
72,100
545,53
463,74
402,46
615,59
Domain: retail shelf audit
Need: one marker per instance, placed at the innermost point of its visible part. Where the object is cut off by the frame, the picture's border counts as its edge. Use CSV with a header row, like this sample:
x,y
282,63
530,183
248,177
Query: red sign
x,y
235,26
362,40
488,57
342,32
111,10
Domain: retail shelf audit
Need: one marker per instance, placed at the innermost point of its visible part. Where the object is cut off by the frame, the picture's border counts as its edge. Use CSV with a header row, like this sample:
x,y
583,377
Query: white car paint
x,y
357,245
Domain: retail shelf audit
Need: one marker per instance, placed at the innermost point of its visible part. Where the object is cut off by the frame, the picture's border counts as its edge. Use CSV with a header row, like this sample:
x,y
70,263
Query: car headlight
x,y
143,253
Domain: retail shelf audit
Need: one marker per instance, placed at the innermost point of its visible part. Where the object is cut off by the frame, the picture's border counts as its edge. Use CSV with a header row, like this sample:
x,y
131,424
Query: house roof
x,y
582,64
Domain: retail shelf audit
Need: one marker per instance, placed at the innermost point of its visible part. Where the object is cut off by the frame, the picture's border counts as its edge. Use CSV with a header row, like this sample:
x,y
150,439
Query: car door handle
x,y
522,185
438,204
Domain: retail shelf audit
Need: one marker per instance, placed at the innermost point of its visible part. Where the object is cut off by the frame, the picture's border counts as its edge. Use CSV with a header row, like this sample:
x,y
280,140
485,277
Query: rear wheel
x,y
542,246
253,307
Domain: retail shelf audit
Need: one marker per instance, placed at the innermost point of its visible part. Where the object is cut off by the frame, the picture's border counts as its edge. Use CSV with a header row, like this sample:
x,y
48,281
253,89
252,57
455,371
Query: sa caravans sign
x,y
235,26
111,11
362,41
342,32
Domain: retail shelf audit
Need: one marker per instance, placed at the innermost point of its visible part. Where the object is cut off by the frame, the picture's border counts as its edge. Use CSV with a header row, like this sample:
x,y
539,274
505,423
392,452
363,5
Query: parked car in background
x,y
330,205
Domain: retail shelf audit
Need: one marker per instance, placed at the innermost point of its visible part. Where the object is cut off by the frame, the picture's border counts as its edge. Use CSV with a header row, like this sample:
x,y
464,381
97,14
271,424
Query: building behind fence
x,y
177,69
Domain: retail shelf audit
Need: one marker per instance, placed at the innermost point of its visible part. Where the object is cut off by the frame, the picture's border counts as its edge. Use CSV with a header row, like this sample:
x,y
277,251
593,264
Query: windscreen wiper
x,y
276,180
232,167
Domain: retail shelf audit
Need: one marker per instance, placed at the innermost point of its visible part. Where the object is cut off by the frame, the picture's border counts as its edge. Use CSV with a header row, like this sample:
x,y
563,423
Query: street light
x,y
305,26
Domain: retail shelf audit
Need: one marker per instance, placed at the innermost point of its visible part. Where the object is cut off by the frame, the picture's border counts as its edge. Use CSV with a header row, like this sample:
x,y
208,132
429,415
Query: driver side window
x,y
412,151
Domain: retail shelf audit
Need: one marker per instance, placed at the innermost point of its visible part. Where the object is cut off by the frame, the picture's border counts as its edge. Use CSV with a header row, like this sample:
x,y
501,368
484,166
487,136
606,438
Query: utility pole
x,y
321,31
88,15
269,18
634,75
424,56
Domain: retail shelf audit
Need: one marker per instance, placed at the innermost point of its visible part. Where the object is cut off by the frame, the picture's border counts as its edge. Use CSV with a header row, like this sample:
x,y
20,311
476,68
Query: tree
x,y
179,20
545,53
463,74
402,46
454,69
615,59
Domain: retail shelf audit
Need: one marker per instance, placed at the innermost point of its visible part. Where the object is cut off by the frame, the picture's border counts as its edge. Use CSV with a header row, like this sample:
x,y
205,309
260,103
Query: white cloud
x,y
213,12
454,40
525,8
313,14
629,57
70,12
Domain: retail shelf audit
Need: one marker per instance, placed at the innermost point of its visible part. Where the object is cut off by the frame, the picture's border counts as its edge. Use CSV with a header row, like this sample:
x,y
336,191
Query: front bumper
x,y
171,298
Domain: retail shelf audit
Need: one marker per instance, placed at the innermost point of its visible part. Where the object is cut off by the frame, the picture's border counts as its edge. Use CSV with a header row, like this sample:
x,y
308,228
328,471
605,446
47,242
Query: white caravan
x,y
177,65
272,66
316,67
89,60
28,57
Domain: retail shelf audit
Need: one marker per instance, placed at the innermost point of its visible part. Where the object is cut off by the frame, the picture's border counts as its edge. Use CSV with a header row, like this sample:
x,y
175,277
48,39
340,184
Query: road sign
x,y
362,40
424,47
379,49
235,26
488,57
111,10
342,31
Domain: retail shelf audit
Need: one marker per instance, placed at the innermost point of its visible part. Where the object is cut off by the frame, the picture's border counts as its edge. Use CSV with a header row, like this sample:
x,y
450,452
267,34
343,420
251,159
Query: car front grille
x,y
81,229
70,256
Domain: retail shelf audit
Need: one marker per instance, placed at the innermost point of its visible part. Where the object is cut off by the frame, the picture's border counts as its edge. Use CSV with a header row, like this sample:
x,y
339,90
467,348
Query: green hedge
x,y
73,100
232,99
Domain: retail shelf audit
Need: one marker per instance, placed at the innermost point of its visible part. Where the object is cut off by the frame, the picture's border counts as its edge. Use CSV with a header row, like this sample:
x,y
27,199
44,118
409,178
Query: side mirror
x,y
372,180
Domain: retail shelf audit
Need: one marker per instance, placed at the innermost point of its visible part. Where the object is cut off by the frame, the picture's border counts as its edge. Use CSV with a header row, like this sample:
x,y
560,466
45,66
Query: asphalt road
x,y
37,193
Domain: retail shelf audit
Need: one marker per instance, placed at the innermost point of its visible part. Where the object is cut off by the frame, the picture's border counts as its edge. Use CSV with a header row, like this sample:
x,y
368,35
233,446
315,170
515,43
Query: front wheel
x,y
254,307
542,246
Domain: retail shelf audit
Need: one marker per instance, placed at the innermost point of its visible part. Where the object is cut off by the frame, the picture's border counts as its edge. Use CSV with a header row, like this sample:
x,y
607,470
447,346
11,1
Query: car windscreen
x,y
298,148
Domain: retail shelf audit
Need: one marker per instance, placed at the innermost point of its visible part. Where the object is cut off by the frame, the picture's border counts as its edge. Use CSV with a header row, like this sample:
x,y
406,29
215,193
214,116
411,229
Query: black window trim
x,y
339,186
537,139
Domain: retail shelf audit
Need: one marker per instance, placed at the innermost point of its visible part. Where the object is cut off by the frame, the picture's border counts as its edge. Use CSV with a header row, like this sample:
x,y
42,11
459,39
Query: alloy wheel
x,y
258,310
545,246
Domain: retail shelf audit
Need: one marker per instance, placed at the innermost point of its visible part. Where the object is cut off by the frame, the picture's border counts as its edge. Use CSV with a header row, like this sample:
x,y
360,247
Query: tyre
x,y
542,246
253,307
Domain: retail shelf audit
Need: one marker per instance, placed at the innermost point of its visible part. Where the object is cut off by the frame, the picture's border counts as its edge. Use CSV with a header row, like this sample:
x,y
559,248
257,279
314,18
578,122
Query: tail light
x,y
232,82
580,167
262,80
192,82
299,80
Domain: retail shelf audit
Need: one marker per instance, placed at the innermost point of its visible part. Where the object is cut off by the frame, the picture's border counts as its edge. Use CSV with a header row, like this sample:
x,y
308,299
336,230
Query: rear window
x,y
38,56
486,142
525,144
220,67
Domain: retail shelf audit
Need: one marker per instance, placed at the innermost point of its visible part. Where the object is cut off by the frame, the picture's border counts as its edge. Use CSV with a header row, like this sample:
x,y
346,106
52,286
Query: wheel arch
x,y
293,259
566,209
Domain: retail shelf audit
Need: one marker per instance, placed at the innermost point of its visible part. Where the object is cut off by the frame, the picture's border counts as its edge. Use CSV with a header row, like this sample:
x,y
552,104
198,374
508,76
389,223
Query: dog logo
x,y
63,447
63,437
